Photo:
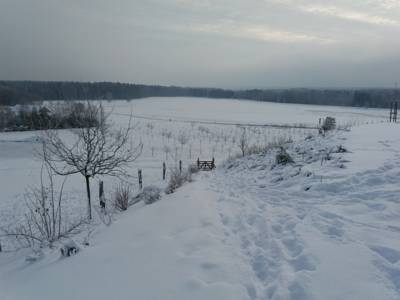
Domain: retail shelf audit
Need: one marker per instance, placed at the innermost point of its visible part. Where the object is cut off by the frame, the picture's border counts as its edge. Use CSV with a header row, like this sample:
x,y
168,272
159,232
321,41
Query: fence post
x,y
164,170
140,178
213,163
180,167
101,195
0,248
395,112
391,112
198,163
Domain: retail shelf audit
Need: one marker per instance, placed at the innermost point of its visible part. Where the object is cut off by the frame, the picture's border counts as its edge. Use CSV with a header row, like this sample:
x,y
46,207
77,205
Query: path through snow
x,y
318,229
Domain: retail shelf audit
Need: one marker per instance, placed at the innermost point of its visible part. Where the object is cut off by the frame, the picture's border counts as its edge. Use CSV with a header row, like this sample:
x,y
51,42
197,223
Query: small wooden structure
x,y
206,165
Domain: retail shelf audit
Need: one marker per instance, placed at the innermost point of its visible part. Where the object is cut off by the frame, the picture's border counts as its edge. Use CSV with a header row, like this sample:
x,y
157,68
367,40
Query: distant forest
x,y
25,92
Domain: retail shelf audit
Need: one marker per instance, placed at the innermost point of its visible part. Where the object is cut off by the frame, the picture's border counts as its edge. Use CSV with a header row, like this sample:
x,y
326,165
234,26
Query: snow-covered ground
x,y
241,111
319,229
171,129
325,227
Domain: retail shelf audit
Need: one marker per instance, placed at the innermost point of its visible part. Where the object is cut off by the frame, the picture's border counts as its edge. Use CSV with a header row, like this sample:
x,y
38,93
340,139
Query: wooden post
x,y
213,163
180,167
0,248
391,112
140,178
101,195
164,171
395,112
198,163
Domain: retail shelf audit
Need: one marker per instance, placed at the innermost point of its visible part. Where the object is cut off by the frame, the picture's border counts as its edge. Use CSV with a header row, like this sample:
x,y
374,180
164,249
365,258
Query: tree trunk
x,y
88,196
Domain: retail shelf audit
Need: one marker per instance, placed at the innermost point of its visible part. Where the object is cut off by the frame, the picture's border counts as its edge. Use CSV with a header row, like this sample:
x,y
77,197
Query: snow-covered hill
x,y
325,227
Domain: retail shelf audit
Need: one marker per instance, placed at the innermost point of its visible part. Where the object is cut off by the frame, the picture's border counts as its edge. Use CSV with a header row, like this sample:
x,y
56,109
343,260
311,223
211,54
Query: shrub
x,y
177,179
329,124
193,169
256,149
121,197
282,157
150,194
341,149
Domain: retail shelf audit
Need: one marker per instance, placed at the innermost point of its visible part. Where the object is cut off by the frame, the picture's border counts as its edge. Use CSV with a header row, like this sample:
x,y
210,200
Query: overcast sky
x,y
218,43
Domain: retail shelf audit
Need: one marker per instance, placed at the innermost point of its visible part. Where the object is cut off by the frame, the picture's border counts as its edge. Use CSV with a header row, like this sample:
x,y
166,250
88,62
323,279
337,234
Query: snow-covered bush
x,y
256,149
122,195
329,124
282,157
193,169
177,179
150,194
341,149
263,149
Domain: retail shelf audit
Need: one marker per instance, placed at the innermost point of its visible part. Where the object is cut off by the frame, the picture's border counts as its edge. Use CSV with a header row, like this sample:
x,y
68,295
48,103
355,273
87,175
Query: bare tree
x,y
95,150
167,150
44,221
182,139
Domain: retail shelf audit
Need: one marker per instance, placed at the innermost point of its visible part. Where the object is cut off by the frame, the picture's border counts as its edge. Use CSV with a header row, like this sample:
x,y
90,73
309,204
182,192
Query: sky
x,y
211,43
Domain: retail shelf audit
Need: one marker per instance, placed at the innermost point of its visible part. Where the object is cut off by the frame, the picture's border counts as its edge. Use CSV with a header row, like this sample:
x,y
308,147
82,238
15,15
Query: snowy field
x,y
318,229
171,129
242,111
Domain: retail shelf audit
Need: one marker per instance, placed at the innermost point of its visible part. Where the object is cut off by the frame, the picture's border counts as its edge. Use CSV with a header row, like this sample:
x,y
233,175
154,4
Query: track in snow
x,y
302,227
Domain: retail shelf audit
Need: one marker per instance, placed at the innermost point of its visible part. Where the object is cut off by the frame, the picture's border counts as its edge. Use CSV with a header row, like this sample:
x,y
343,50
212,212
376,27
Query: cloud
x,y
181,42
387,4
349,14
258,33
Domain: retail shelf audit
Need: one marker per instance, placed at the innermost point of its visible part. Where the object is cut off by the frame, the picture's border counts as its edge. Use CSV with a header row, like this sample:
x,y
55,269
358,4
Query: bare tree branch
x,y
95,150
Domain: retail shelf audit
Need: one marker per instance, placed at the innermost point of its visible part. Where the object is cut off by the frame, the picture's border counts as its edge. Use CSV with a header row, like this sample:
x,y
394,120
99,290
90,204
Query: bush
x,y
255,149
341,149
329,124
193,169
121,197
177,179
150,194
282,157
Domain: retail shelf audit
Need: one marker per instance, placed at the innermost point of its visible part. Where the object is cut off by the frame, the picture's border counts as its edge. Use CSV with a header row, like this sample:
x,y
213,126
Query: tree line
x,y
55,116
22,92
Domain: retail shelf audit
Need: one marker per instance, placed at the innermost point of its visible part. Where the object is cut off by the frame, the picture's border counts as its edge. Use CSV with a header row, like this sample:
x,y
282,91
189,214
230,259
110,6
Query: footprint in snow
x,y
224,219
298,292
304,263
208,266
194,284
293,246
389,254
